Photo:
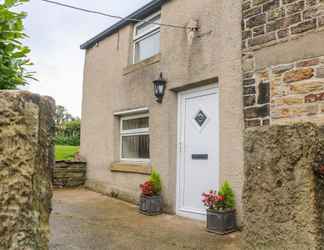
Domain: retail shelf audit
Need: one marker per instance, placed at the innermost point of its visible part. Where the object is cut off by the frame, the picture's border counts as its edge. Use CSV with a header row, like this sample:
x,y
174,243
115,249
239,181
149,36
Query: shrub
x,y
156,180
227,192
14,59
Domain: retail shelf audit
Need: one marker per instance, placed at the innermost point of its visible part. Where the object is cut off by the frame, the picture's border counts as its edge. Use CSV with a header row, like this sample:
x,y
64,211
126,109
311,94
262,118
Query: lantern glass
x,y
159,89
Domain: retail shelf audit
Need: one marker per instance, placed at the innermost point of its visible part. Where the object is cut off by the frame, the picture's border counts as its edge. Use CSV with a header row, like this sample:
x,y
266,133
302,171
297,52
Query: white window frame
x,y
132,132
152,31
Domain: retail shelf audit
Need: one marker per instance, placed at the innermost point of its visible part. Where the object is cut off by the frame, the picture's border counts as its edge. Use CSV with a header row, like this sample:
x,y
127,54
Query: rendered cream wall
x,y
213,53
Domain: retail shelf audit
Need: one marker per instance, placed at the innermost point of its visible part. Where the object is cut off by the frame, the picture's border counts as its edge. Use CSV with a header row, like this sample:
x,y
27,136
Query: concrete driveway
x,y
82,219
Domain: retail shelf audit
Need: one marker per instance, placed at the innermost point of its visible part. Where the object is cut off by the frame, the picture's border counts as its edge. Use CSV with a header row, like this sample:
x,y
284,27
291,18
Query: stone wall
x,y
283,195
285,93
292,91
69,174
26,161
267,22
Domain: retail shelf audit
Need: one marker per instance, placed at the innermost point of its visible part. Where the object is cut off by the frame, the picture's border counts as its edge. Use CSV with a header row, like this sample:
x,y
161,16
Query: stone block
x,y
249,100
298,75
282,68
259,2
275,14
256,21
252,12
310,13
321,21
308,63
283,22
288,100
272,4
252,123
249,90
304,26
306,87
264,92
247,82
246,5
258,31
283,33
320,72
260,40
26,159
295,7
257,112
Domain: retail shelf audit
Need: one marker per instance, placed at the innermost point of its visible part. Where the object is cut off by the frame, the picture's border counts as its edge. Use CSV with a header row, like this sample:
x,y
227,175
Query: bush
x,y
229,197
66,140
13,54
69,133
156,180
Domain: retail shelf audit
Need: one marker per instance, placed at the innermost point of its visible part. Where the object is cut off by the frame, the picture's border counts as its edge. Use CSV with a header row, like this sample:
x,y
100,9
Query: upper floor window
x,y
147,38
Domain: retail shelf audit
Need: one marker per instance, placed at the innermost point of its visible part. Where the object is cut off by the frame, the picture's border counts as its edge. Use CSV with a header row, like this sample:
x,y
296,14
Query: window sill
x,y
142,64
131,167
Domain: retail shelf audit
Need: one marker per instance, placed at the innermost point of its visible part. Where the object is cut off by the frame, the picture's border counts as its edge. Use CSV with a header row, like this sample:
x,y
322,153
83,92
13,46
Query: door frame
x,y
180,152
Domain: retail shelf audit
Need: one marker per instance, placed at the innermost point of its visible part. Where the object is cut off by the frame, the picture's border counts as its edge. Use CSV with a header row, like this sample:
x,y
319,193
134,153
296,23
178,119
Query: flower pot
x,y
150,205
221,222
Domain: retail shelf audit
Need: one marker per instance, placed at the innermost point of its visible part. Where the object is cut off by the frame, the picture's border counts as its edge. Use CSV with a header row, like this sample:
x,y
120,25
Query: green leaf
x,y
14,59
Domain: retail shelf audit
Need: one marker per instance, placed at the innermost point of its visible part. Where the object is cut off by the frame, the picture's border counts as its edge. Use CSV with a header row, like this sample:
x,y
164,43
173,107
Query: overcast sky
x,y
55,37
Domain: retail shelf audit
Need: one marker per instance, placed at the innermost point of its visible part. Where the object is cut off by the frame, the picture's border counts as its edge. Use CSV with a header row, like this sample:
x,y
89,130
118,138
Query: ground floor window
x,y
135,138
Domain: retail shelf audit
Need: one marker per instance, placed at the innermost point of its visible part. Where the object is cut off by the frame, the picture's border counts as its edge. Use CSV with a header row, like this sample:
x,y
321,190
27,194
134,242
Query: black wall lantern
x,y
159,88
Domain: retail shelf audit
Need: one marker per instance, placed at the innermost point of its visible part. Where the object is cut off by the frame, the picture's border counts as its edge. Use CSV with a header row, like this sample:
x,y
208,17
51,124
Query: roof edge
x,y
141,13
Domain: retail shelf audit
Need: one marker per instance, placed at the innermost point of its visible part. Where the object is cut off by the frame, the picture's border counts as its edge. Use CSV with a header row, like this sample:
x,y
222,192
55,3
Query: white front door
x,y
198,149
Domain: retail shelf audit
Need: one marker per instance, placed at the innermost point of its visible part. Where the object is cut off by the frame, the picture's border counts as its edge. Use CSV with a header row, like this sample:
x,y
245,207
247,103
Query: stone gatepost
x,y
282,191
26,162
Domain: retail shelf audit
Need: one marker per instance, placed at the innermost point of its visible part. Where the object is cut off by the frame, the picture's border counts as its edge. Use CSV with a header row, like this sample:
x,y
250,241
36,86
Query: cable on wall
x,y
117,17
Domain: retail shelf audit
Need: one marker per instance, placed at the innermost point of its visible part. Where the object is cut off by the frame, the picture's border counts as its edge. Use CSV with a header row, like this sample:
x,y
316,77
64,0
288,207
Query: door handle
x,y
199,156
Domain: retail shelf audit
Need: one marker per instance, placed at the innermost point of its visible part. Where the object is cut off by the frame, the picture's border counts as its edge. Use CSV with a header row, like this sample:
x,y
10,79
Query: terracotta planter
x,y
221,222
150,205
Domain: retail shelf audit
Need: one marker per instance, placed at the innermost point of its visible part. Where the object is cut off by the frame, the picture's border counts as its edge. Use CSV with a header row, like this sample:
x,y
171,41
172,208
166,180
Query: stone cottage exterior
x,y
231,65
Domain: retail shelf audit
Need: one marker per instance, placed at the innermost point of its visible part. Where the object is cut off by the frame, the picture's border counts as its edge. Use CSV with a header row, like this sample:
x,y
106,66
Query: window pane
x,y
136,147
147,47
143,28
136,123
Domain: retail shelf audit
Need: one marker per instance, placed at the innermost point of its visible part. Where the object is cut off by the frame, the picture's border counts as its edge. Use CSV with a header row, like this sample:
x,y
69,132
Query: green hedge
x,y
67,140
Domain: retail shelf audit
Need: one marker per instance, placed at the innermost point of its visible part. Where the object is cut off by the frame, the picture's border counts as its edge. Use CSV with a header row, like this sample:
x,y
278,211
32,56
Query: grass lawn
x,y
65,152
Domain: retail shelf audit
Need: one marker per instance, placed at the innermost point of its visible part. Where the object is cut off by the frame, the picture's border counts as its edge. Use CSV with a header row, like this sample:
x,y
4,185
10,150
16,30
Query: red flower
x,y
147,188
221,198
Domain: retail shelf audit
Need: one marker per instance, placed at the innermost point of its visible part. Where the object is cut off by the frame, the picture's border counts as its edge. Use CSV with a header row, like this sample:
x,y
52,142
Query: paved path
x,y
83,219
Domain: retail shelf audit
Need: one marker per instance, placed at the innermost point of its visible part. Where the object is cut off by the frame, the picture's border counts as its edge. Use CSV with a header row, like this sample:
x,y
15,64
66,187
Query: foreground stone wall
x,y
283,195
26,161
69,174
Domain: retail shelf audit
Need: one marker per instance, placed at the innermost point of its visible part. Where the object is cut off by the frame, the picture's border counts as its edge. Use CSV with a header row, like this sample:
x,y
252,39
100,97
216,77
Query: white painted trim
x,y
148,33
132,132
132,111
180,142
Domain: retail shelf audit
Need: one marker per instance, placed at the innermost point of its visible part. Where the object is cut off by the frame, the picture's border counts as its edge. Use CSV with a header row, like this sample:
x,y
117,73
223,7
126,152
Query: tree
x,y
67,127
61,117
13,54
